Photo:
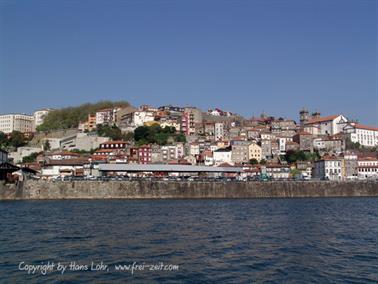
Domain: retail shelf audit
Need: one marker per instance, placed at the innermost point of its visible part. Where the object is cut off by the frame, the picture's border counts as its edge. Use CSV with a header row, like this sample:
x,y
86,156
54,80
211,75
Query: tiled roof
x,y
63,153
68,162
360,126
322,119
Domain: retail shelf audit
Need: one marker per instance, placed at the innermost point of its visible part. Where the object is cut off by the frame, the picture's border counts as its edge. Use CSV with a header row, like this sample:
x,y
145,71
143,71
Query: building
x,y
142,117
105,116
330,144
39,117
63,155
171,170
89,124
16,122
65,167
367,168
240,151
145,154
222,155
218,131
277,172
190,117
113,144
254,152
194,149
305,167
351,165
266,149
171,108
304,139
330,168
328,125
364,135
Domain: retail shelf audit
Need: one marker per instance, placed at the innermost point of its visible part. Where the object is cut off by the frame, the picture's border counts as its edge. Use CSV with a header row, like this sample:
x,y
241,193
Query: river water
x,y
315,240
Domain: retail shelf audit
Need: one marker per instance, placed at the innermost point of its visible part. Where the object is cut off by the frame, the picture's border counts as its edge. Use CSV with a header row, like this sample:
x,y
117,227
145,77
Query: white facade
x,y
222,156
16,122
194,149
141,117
39,116
282,145
331,169
364,135
329,125
106,116
170,123
367,168
218,131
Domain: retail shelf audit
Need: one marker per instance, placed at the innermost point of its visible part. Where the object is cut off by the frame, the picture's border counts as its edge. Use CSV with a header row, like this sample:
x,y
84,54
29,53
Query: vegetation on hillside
x,y
70,117
158,135
14,140
113,132
294,156
31,158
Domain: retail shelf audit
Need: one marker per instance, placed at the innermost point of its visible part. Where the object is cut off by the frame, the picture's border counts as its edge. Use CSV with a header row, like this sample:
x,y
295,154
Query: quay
x,y
150,189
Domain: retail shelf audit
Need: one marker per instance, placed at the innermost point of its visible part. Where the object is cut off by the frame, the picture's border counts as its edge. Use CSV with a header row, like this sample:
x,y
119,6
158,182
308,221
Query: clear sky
x,y
243,56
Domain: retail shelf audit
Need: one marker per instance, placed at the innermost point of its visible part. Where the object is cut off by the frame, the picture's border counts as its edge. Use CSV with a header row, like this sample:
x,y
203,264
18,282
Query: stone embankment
x,y
34,190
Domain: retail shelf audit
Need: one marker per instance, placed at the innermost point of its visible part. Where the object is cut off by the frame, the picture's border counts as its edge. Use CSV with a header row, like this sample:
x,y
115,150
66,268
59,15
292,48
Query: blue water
x,y
211,241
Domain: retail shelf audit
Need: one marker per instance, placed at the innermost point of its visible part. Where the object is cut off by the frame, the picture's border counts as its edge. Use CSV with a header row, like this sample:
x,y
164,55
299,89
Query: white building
x,y
218,131
282,145
39,116
328,125
367,168
328,168
106,116
16,122
194,149
141,117
222,156
364,135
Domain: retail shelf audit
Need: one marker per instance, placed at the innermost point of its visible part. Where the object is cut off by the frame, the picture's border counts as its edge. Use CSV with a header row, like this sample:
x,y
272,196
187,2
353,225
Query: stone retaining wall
x,y
171,189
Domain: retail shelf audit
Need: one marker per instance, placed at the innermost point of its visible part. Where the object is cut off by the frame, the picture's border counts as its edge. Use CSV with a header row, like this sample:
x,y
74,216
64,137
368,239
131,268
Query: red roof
x,y
105,150
304,133
225,165
63,153
322,119
360,126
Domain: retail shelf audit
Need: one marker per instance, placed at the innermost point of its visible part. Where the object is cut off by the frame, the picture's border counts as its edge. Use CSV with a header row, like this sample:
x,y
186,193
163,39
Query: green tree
x,y
3,140
158,135
253,161
71,116
109,131
31,158
17,139
263,162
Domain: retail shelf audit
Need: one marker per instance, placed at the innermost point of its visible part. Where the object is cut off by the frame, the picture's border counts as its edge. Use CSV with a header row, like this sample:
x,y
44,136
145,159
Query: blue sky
x,y
242,56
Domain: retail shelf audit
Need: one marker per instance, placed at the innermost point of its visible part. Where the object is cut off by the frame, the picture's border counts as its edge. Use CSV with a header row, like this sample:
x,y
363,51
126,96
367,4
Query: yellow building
x,y
255,152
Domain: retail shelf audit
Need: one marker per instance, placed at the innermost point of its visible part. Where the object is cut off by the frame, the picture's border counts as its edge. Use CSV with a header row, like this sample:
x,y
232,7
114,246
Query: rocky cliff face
x,y
163,189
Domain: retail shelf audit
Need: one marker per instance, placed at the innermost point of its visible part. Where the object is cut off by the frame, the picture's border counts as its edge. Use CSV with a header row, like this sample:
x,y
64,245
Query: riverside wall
x,y
40,190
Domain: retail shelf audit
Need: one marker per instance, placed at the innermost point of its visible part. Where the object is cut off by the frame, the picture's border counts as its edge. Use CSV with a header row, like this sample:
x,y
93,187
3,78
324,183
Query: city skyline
x,y
246,58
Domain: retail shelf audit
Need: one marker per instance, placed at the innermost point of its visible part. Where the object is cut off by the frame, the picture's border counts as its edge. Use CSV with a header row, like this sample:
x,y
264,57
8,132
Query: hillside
x,y
70,117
